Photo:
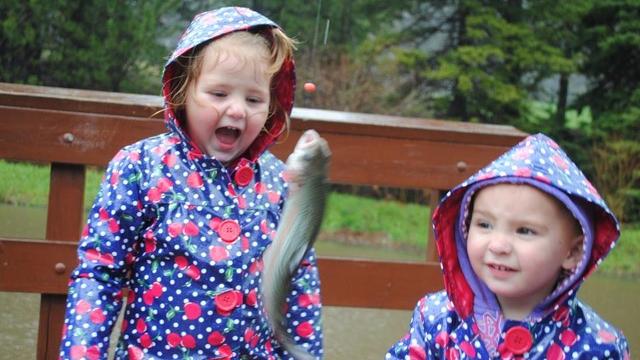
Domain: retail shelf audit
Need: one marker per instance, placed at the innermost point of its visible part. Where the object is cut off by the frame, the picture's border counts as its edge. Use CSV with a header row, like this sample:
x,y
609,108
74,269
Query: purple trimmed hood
x,y
537,161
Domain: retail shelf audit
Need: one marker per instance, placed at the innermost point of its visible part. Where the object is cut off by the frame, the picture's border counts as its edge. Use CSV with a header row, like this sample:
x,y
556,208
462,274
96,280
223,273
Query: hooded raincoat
x,y
185,235
464,321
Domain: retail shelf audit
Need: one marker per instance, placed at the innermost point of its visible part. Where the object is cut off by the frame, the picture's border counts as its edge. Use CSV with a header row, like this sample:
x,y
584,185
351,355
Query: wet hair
x,y
187,68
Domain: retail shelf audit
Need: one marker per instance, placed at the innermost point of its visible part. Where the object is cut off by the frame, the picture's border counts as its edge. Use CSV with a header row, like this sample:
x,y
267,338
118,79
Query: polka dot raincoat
x,y
464,321
178,238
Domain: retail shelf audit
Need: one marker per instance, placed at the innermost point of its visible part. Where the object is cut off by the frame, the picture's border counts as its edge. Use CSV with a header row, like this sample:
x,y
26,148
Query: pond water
x,y
350,333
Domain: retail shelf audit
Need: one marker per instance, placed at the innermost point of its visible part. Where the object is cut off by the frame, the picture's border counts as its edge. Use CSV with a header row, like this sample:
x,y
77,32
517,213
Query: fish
x,y
306,174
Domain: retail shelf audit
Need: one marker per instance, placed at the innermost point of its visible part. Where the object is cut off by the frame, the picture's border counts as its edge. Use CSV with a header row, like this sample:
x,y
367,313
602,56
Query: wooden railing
x,y
71,129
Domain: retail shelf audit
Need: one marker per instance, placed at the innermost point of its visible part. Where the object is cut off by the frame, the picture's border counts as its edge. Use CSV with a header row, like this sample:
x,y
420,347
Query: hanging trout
x,y
306,173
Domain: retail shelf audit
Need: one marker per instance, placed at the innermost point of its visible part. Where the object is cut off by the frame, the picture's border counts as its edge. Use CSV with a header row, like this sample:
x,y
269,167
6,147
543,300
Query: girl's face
x,y
228,104
519,240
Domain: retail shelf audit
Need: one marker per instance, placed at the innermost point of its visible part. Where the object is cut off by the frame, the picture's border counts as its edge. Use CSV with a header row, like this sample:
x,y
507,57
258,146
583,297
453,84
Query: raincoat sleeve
x,y
412,345
304,306
597,339
620,350
106,247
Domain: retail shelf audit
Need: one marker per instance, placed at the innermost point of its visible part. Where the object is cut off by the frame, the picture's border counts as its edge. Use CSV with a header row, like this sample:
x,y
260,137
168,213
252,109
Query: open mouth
x,y
227,135
499,267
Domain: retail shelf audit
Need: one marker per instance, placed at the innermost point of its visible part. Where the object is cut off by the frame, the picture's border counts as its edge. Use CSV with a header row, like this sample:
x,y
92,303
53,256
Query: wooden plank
x,y
395,162
375,284
51,312
77,138
64,221
77,100
52,261
432,251
65,214
68,137
144,106
345,282
302,118
387,126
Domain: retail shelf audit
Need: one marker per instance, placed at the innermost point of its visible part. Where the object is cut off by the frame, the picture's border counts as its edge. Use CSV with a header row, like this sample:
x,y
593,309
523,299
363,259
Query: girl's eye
x,y
255,100
526,231
218,93
482,224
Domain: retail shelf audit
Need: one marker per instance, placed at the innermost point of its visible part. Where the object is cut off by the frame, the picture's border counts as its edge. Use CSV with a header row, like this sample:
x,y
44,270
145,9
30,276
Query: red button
x,y
226,301
518,339
229,230
243,176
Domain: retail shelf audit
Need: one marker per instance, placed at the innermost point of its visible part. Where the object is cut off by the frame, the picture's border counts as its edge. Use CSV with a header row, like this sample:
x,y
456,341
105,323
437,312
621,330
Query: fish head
x,y
310,158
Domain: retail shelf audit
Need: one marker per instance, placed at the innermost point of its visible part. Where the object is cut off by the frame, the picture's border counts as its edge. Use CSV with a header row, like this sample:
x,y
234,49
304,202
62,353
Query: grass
x,y
404,224
624,259
23,184
28,184
348,218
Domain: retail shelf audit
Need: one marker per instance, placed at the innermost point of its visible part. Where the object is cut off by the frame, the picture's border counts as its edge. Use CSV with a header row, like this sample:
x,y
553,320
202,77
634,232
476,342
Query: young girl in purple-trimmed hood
x,y
182,219
516,240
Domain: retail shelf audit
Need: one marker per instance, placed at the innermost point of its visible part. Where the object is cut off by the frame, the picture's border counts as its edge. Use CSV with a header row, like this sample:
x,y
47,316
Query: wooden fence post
x,y
64,221
432,252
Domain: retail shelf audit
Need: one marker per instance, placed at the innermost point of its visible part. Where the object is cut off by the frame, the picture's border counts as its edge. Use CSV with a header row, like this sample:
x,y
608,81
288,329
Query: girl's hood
x,y
209,26
537,161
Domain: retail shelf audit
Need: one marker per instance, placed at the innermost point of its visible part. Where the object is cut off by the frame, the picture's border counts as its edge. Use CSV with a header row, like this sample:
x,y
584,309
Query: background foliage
x,y
568,68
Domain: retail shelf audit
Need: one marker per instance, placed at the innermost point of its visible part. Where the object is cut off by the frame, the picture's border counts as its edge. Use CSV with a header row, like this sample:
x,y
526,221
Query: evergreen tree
x,y
480,60
91,44
612,62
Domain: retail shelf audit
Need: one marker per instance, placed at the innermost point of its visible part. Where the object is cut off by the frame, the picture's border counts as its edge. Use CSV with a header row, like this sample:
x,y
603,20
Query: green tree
x,y
104,45
331,34
476,60
559,24
23,32
612,63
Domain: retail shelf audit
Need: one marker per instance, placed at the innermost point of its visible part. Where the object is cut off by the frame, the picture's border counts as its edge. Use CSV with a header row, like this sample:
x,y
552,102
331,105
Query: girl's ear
x,y
575,253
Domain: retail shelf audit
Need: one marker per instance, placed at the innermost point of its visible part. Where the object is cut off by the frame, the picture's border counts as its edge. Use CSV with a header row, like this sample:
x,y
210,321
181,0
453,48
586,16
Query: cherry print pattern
x,y
185,236
443,325
179,266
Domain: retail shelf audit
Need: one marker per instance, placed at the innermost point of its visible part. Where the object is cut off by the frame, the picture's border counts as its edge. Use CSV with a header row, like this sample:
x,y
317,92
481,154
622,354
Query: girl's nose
x,y
500,244
236,110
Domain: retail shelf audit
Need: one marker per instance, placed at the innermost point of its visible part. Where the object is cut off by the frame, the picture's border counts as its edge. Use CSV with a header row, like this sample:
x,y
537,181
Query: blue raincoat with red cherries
x,y
464,321
185,235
